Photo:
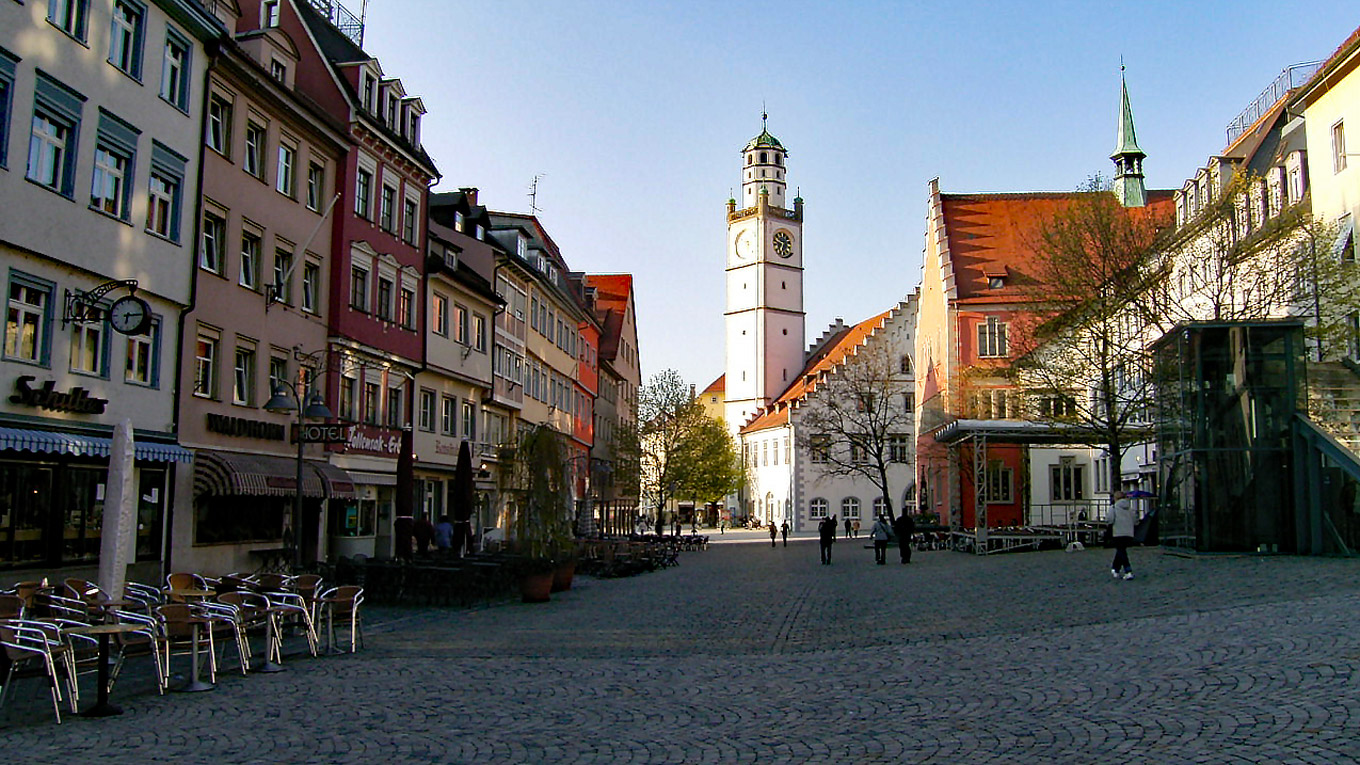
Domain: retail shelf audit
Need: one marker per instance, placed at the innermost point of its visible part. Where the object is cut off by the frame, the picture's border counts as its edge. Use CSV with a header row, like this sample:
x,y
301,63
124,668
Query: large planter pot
x,y
536,588
562,576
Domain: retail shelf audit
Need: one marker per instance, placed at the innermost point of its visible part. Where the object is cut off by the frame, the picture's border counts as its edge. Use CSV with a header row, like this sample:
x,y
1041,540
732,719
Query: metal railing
x,y
1292,77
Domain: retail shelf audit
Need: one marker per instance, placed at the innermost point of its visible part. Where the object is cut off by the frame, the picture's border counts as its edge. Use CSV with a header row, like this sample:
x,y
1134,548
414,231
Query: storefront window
x,y
229,519
355,518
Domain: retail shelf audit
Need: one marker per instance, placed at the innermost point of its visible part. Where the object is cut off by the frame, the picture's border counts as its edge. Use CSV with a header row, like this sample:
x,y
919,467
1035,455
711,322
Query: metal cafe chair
x,y
25,642
343,603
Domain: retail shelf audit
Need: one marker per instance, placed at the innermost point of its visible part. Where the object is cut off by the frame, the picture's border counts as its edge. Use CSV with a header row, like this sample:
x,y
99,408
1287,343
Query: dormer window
x,y
368,93
392,112
269,13
458,221
480,232
521,247
278,70
414,132
996,282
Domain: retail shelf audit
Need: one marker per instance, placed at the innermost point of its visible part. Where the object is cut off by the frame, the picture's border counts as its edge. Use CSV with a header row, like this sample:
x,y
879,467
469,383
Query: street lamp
x,y
313,408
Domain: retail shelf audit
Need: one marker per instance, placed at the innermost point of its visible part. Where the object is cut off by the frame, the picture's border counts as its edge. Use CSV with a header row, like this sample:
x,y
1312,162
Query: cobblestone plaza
x,y
748,653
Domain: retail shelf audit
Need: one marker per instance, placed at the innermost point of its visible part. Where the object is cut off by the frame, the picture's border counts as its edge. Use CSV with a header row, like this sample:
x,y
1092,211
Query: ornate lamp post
x,y
313,407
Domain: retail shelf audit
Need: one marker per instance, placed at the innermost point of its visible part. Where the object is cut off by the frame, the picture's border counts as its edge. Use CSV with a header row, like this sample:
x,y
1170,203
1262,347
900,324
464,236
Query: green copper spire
x,y
1128,187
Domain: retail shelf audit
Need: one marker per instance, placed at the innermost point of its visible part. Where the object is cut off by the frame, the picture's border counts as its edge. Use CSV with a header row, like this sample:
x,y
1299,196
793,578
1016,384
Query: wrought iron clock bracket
x,y
83,307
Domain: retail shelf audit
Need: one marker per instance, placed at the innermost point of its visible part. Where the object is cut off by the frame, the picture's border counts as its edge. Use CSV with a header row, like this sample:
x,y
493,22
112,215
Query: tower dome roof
x,y
764,139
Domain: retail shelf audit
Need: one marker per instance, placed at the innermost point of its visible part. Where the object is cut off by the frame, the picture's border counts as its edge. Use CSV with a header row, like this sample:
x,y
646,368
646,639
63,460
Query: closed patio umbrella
x,y
461,500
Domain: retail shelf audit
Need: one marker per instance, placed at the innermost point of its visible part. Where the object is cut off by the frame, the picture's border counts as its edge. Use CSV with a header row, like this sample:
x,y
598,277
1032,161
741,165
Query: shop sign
x,y
240,426
445,448
373,441
77,400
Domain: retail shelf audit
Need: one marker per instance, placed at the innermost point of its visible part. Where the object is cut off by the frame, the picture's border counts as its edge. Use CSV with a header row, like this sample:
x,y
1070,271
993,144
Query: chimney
x,y
471,194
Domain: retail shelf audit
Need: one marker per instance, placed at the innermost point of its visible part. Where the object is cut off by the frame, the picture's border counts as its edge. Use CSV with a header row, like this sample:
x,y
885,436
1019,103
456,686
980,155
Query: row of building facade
x,y
973,446
211,204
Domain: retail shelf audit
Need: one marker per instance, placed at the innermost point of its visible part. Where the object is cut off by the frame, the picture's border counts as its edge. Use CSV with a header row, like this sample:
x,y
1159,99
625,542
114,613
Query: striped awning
x,y
80,445
230,473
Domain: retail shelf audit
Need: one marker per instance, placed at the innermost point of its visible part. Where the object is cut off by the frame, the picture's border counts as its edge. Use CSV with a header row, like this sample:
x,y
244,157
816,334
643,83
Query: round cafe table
x,y
102,707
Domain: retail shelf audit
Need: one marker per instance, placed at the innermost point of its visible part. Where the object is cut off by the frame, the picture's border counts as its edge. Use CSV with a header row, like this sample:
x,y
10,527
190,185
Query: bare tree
x,y
1079,358
858,420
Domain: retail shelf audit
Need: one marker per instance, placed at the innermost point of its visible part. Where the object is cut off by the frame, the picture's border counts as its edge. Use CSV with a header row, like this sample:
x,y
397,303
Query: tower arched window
x,y
763,159
779,159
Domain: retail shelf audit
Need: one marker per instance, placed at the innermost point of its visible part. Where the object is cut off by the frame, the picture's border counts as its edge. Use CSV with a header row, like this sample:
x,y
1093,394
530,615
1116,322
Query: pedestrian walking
x,y
826,536
443,533
1122,520
904,527
784,530
773,531
855,529
722,526
880,534
847,528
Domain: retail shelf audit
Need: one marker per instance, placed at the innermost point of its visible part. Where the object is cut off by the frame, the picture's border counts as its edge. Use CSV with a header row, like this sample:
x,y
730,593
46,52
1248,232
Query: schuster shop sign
x,y
77,400
239,426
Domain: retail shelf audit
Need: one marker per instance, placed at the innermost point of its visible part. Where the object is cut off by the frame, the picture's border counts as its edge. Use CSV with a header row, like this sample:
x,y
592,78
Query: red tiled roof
x,y
1329,66
717,386
612,295
992,234
831,355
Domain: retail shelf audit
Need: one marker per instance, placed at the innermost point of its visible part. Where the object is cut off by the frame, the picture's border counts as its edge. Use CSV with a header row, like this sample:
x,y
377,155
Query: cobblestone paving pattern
x,y
746,653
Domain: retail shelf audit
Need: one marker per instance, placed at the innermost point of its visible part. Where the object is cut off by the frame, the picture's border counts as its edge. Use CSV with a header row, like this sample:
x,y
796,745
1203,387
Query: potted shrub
x,y
540,525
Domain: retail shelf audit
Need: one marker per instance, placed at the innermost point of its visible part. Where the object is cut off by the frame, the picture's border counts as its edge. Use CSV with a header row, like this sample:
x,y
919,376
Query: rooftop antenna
x,y
534,209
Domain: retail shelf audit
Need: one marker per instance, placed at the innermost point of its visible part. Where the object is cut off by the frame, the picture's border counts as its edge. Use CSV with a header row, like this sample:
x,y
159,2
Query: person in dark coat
x,y
784,529
774,530
423,531
826,536
904,527
847,528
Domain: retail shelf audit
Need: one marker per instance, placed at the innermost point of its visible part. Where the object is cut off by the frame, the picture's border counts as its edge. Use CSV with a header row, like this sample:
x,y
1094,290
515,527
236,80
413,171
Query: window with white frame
x,y
283,276
243,379
1067,480
427,404
28,319
358,288
447,413
284,176
1339,146
125,38
316,184
142,365
311,287
52,141
211,253
817,508
396,407
219,125
278,70
114,157
175,70
71,16
349,394
372,402
406,308
439,308
819,448
165,192
8,65
269,13
997,483
850,507
205,366
88,352
899,447
469,421
363,193
460,324
479,333
387,212
278,374
880,507
253,161
991,338
408,221
250,260
385,287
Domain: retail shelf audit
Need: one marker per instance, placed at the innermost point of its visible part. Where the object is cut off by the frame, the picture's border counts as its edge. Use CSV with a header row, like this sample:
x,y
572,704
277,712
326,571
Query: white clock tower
x,y
764,283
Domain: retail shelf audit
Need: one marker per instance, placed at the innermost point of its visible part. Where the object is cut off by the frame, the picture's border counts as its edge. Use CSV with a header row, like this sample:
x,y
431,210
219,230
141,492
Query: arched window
x,y
817,508
880,507
762,158
905,364
850,507
770,506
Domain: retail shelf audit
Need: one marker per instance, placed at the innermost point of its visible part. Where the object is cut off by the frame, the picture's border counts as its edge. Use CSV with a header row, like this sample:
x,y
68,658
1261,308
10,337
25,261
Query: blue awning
x,y
79,445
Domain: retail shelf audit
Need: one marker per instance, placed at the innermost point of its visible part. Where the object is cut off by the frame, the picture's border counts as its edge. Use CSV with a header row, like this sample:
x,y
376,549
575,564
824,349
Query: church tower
x,y
764,318
1129,187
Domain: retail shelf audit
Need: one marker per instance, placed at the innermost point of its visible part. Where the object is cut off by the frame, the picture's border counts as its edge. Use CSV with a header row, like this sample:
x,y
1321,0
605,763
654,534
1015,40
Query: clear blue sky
x,y
634,114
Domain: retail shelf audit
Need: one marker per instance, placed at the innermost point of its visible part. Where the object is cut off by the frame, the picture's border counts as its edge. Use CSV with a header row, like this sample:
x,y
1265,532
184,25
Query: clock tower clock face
x,y
744,247
783,244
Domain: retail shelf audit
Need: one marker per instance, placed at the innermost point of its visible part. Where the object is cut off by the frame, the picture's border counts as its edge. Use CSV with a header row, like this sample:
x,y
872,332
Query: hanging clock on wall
x,y
130,315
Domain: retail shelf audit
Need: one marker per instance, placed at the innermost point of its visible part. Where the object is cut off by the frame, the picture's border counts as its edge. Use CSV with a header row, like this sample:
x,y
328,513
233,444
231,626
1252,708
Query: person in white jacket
x,y
1122,520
